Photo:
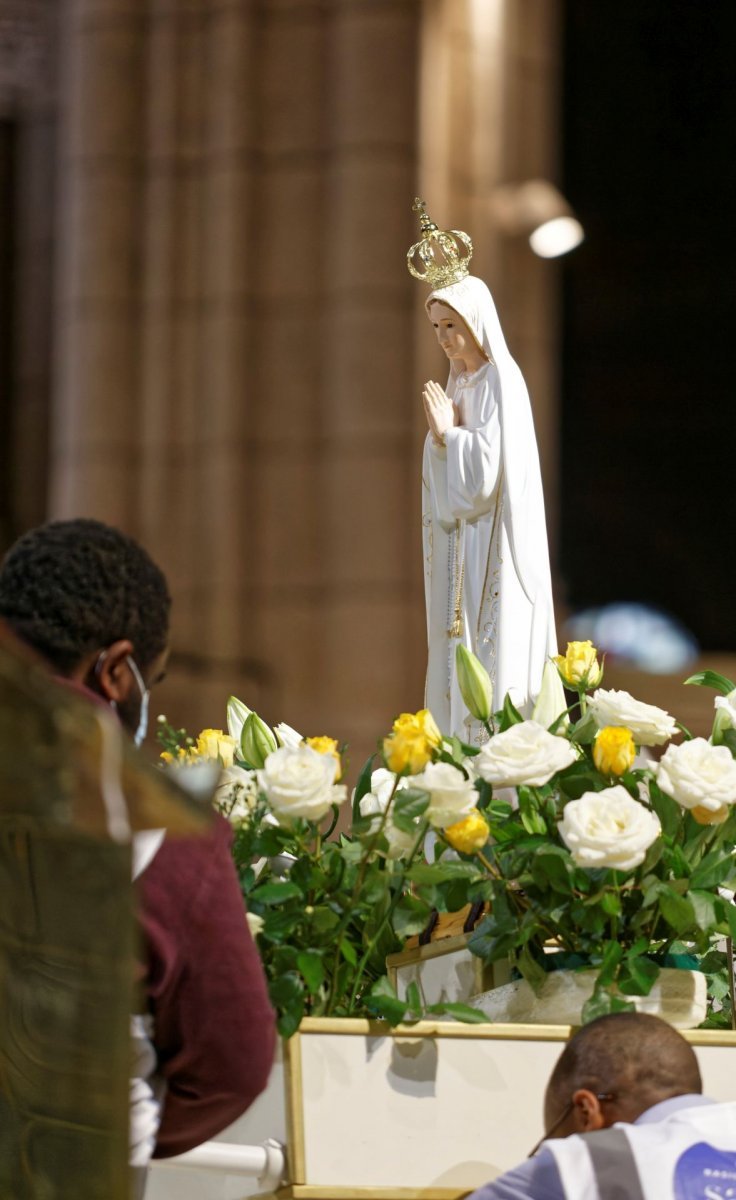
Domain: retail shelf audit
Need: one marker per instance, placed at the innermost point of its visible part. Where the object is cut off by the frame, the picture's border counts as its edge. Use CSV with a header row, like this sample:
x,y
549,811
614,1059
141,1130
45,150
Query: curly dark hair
x,y
70,587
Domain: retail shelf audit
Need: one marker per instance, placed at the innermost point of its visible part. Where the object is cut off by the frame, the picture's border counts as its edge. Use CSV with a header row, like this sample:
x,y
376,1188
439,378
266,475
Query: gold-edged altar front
x,y
422,1112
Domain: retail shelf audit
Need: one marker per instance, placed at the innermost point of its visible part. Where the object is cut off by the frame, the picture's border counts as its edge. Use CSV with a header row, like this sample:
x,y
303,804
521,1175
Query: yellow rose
x,y
327,745
614,750
706,816
579,667
468,835
168,757
213,743
412,740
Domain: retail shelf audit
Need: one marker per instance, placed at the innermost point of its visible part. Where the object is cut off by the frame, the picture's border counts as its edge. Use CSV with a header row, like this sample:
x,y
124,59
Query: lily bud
x,y
287,736
475,684
725,717
551,702
257,741
236,717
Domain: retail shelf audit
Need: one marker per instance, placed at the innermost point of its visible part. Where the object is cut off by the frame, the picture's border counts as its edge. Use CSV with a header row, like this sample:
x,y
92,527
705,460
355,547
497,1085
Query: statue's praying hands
x,y
440,411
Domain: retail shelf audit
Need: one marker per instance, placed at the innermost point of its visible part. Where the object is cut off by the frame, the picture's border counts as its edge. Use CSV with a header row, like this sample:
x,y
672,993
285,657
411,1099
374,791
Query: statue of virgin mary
x,y
486,559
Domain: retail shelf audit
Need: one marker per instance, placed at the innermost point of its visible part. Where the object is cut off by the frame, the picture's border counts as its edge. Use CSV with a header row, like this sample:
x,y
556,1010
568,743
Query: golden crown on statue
x,y
442,256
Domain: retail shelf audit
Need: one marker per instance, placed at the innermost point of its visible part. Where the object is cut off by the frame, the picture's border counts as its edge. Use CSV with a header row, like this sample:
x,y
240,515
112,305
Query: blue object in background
x,y
636,634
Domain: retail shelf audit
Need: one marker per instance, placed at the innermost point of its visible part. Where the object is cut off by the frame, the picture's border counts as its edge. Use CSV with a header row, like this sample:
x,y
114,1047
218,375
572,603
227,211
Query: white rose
x,y
236,794
376,801
697,774
726,706
255,923
451,795
650,726
609,829
524,754
300,782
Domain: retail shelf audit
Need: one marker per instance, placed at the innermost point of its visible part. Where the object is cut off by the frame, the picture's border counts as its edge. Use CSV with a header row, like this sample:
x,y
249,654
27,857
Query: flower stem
x,y
348,914
398,891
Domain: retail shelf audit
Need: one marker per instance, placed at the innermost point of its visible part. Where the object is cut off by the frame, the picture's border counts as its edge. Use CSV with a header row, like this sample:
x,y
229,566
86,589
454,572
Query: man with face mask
x,y
95,607
93,604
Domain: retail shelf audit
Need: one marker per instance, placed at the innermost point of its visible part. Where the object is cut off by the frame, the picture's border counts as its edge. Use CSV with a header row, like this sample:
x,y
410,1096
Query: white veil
x,y
524,511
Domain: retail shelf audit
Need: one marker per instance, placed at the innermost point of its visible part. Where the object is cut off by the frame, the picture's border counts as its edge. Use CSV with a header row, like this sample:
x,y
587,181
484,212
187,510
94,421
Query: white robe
x,y
483,520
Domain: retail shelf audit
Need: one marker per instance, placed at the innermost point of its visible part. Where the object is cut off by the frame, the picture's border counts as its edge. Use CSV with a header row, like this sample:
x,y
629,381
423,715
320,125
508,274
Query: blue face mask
x,y
140,734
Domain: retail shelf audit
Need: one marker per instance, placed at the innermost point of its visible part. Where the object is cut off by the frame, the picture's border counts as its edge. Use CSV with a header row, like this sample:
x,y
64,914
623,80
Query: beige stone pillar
x,y
95,443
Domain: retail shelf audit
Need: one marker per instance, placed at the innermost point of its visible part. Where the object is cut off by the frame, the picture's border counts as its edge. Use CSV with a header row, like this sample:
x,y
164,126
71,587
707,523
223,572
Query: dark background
x,y
649,421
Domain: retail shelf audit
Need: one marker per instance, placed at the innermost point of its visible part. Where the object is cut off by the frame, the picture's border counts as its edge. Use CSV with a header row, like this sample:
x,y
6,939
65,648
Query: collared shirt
x,y
539,1179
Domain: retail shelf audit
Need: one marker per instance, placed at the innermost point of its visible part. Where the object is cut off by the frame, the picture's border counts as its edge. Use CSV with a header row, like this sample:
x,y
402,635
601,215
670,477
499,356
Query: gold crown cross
x,y
442,256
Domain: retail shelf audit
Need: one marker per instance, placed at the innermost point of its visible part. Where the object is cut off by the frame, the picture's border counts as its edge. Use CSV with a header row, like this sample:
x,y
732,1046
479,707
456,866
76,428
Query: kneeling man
x,y
626,1120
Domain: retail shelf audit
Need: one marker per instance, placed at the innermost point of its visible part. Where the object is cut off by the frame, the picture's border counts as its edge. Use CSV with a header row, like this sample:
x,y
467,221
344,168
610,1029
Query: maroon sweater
x,y
214,1028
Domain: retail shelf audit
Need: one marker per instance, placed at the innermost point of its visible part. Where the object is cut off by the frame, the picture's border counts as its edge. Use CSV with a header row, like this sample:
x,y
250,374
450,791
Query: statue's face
x,y
453,334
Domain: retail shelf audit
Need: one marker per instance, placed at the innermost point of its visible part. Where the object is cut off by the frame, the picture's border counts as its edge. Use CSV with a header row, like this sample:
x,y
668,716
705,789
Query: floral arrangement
x,y
587,851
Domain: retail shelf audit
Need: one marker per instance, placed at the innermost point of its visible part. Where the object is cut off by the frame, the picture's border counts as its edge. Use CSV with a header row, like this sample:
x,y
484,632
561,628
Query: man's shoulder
x,y
535,1179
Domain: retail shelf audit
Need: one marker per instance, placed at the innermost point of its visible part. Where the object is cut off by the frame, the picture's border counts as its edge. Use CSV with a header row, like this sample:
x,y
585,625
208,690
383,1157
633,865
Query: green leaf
x,y
532,971
276,893
461,1012
704,907
551,868
485,798
492,946
410,916
363,786
612,955
603,1002
383,1001
668,811
676,910
730,910
287,997
312,968
279,925
508,716
531,818
583,731
728,738
712,870
610,902
712,679
409,804
637,975
290,1019
349,953
458,751
580,778
439,872
323,919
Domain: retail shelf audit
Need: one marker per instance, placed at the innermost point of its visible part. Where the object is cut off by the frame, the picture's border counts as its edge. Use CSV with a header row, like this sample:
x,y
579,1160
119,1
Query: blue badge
x,y
704,1173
